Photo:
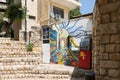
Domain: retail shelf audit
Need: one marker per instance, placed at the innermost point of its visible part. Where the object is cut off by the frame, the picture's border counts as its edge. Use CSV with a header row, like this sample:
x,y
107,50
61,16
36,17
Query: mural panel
x,y
70,34
53,44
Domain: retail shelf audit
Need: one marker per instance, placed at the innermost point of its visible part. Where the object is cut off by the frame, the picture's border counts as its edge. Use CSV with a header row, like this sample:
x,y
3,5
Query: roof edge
x,y
85,15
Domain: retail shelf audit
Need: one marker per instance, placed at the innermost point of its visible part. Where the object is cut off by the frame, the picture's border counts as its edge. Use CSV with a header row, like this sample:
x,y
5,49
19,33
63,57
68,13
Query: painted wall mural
x,y
63,47
72,50
64,55
69,34
53,43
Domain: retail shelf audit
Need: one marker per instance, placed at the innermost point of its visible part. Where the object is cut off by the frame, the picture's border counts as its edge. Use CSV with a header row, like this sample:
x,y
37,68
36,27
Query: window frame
x,y
58,11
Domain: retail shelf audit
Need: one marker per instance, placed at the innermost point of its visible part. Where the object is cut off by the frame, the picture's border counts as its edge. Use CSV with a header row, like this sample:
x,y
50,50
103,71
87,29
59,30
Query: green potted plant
x,y
30,47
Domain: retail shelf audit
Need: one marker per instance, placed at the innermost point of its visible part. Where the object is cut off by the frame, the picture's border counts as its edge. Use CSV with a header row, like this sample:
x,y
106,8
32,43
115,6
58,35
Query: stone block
x,y
102,48
112,0
97,47
105,77
105,39
97,42
98,77
115,38
114,56
113,73
109,28
108,8
105,18
97,71
97,38
119,67
103,71
113,48
97,32
107,64
118,27
104,56
114,16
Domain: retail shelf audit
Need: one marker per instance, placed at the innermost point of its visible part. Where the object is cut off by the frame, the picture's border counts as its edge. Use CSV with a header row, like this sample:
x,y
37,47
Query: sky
x,y
87,6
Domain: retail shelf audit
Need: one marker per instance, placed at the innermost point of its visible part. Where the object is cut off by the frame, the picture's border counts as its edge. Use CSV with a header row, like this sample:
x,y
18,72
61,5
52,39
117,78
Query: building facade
x,y
42,13
2,5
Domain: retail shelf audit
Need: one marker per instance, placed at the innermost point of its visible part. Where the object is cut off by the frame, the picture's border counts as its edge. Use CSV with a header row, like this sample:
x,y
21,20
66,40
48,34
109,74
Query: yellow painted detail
x,y
73,42
81,54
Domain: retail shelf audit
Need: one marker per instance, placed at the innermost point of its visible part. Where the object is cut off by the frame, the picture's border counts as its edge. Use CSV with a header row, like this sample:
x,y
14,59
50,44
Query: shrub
x,y
30,47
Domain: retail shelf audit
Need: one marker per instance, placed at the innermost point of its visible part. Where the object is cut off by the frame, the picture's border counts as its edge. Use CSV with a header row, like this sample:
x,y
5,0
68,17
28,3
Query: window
x,y
31,17
46,35
2,10
58,12
85,44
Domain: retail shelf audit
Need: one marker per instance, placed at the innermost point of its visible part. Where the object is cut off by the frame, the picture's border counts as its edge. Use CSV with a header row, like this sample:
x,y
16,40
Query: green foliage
x,y
10,33
14,12
10,1
1,17
0,28
30,47
1,21
75,12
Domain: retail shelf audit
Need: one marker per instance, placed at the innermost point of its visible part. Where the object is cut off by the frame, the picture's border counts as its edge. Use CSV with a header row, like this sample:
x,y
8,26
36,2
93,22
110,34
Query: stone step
x,y
13,50
13,43
16,63
4,39
19,55
61,69
30,69
20,61
42,76
27,69
39,79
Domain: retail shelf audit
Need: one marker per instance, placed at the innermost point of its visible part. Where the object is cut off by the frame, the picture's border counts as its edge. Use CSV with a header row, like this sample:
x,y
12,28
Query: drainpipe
x,y
25,34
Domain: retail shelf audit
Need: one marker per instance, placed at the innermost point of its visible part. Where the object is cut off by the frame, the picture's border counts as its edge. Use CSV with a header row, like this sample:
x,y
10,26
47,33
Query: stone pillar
x,y
106,40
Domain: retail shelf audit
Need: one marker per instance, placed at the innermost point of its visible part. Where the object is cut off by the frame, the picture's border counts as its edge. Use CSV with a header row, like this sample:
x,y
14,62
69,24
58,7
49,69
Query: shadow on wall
x,y
81,74
78,74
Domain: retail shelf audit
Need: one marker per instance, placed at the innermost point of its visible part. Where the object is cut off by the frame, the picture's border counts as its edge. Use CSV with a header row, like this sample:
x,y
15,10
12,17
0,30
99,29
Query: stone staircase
x,y
18,64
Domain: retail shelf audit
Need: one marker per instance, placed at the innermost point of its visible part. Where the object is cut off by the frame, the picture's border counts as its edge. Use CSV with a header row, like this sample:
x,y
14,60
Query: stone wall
x,y
33,36
106,40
